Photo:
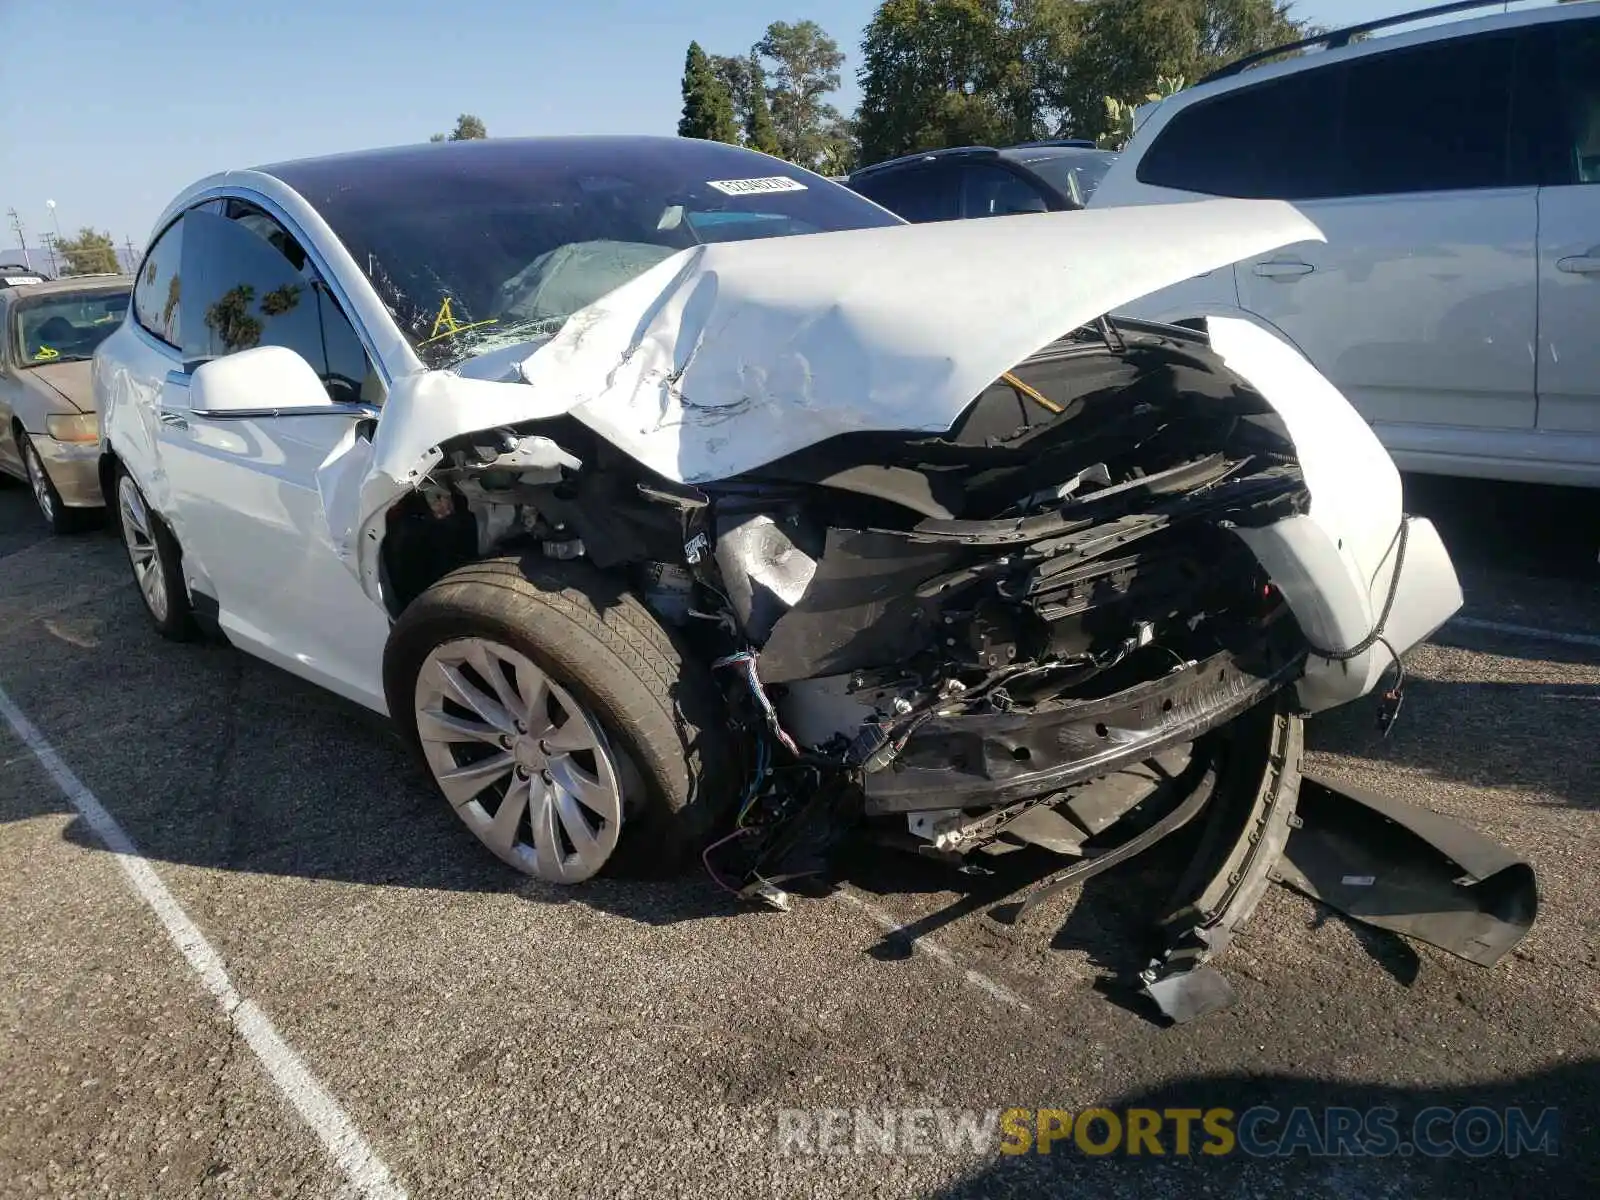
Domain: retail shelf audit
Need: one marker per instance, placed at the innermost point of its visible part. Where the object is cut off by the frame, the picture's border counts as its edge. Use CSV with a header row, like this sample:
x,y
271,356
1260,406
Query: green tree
x,y
89,253
1127,45
958,72
1121,113
955,72
468,129
805,69
734,72
707,103
746,82
839,143
759,131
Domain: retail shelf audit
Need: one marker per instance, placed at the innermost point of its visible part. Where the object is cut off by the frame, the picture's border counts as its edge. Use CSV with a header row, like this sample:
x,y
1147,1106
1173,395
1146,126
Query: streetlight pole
x,y
51,242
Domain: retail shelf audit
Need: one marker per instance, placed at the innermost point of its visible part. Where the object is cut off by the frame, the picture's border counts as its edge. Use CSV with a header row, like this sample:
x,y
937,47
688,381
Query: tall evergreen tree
x,y
759,131
707,105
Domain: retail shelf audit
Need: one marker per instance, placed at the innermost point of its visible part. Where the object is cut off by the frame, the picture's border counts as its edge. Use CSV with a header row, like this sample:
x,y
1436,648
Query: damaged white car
x,y
673,499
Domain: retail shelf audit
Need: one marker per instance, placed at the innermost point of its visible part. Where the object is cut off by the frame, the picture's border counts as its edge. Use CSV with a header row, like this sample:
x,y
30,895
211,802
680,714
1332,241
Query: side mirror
x,y
267,379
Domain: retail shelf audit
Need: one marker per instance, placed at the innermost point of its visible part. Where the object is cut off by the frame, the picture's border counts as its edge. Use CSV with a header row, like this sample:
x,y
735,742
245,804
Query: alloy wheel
x,y
138,537
519,759
38,481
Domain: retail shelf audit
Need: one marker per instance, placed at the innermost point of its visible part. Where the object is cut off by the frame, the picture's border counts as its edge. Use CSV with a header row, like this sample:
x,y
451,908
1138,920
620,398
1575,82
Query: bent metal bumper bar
x,y
998,758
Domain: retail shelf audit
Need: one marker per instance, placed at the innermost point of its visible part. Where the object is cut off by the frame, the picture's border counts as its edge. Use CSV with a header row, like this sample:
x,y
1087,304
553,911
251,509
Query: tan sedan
x,y
49,430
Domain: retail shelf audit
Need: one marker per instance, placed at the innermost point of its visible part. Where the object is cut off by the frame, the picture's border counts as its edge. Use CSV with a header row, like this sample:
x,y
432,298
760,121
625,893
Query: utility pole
x,y
50,240
22,238
133,257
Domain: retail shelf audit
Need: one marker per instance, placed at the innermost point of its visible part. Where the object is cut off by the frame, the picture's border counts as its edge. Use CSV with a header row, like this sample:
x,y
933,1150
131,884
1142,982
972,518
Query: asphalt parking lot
x,y
478,1035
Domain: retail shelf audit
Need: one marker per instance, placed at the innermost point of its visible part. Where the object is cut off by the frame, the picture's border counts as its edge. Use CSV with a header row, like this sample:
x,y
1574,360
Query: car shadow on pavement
x,y
1570,1171
1534,736
1527,529
209,758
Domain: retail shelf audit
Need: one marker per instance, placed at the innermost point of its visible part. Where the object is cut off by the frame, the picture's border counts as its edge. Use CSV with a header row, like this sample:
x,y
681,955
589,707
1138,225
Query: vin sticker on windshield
x,y
749,187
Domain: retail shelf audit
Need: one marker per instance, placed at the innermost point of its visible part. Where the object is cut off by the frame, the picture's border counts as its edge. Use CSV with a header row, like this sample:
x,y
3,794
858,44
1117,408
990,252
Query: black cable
x,y
1376,635
1389,709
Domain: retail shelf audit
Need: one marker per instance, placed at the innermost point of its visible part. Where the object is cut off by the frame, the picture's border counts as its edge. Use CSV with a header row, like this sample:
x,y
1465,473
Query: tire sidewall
x,y
677,809
60,517
179,623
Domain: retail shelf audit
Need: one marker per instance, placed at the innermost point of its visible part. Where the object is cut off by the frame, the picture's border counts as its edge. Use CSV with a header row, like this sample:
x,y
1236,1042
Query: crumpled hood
x,y
69,381
725,357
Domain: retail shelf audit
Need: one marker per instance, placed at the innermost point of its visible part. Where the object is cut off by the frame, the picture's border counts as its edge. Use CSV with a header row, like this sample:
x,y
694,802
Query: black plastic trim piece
x,y
992,759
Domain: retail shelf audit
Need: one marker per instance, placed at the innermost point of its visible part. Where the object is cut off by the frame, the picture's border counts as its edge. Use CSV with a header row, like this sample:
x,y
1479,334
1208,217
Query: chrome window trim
x,y
336,408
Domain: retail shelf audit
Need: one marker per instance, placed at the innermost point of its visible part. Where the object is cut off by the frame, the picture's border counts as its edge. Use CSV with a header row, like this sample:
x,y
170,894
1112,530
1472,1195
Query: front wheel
x,y
559,720
60,518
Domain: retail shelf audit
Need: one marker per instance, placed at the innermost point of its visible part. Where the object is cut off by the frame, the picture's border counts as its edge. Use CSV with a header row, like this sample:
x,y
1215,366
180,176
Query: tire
x,y
150,544
60,518
658,709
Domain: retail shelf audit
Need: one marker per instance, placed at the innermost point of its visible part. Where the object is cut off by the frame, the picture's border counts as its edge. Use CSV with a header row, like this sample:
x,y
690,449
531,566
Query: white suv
x,y
1454,171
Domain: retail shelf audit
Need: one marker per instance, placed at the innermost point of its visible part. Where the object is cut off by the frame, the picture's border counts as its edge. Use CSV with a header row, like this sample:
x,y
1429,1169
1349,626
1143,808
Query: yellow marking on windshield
x,y
447,325
46,353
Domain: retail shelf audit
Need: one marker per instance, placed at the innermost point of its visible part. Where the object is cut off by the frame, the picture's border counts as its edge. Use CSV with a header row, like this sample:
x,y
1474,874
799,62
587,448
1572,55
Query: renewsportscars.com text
x,y
1260,1131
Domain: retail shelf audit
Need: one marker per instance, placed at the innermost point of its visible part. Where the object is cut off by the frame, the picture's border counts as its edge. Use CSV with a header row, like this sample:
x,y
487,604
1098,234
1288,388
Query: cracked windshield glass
x,y
492,253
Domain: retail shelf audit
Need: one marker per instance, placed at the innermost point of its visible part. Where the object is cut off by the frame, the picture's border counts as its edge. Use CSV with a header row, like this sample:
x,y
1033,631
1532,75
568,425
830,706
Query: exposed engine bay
x,y
1045,627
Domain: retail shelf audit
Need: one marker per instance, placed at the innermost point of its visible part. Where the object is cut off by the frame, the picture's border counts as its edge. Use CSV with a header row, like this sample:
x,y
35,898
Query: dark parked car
x,y
980,181
15,274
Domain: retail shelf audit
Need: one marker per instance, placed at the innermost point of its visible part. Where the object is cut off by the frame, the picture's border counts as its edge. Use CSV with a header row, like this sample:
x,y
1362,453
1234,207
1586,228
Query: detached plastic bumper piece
x,y
1399,867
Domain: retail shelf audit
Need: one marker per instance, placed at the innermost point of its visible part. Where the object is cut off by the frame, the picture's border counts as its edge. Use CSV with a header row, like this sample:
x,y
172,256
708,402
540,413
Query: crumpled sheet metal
x,y
728,356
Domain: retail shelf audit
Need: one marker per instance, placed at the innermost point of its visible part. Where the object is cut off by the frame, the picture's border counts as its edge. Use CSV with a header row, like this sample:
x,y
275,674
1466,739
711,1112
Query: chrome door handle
x,y
1579,264
1282,270
172,419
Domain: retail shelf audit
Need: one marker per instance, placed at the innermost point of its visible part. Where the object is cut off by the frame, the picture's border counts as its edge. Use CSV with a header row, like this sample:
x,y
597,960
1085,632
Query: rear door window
x,y
919,194
1274,140
1557,117
1431,118
1435,117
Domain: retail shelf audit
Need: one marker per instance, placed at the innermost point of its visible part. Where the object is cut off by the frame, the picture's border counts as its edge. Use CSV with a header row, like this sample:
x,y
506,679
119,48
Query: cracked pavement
x,y
490,1036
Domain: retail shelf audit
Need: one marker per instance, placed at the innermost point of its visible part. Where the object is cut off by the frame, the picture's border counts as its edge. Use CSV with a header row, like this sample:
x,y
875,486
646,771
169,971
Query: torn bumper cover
x,y
1406,869
1377,859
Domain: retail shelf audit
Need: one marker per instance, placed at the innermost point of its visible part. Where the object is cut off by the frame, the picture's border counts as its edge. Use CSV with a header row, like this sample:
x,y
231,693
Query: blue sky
x,y
157,94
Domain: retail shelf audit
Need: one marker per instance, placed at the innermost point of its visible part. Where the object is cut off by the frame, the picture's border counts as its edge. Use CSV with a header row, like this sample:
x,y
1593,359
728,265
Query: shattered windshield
x,y
473,246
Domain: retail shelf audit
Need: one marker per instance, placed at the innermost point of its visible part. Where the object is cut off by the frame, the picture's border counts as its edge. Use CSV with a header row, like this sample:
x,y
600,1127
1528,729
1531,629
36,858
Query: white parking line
x,y
935,951
1528,631
360,1163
